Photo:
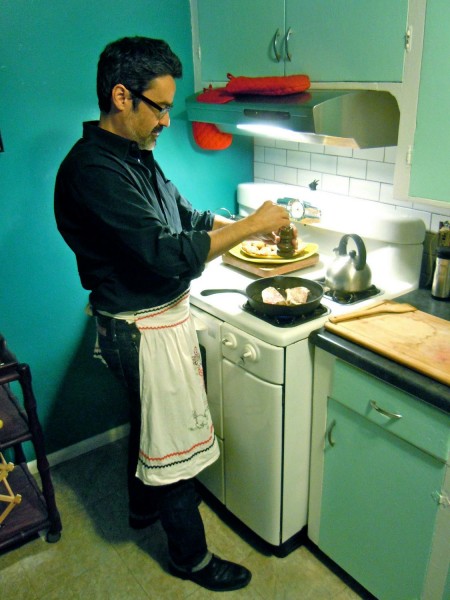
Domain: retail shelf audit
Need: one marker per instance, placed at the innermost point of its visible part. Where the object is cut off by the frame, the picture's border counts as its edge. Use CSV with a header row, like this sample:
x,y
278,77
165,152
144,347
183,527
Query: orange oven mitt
x,y
208,136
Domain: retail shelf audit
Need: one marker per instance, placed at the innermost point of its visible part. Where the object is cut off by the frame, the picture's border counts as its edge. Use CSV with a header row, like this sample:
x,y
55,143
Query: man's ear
x,y
119,97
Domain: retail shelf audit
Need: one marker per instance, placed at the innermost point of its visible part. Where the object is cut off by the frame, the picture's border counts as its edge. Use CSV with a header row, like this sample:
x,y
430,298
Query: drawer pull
x,y
329,432
385,413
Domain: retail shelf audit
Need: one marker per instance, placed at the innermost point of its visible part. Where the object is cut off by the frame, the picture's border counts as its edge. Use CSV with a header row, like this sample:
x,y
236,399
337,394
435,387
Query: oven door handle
x,y
222,291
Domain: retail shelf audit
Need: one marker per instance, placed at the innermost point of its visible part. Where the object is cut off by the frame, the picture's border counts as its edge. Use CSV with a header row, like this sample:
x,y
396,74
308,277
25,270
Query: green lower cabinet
x,y
378,505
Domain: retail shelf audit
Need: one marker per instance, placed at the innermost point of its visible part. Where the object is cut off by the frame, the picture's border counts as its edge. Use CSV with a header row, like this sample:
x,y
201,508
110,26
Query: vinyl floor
x,y
100,557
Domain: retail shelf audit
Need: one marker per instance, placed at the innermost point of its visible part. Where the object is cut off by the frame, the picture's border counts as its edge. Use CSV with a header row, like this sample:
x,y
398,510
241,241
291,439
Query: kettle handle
x,y
360,259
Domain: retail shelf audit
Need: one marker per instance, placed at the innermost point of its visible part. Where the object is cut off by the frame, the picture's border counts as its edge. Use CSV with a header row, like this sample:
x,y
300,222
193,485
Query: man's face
x,y
146,122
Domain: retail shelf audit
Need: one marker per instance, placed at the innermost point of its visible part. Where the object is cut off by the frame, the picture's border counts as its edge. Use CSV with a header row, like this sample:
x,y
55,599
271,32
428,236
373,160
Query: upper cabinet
x,y
346,40
329,40
242,37
430,176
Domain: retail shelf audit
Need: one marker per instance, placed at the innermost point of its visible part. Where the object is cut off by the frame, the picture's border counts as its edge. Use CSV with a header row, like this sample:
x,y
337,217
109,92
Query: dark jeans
x,y
176,502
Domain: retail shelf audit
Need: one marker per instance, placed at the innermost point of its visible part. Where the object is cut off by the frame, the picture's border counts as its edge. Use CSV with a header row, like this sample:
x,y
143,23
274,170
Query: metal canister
x,y
440,287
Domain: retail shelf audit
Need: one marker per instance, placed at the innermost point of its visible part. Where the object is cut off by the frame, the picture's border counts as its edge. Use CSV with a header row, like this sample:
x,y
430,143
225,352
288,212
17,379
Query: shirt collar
x,y
118,145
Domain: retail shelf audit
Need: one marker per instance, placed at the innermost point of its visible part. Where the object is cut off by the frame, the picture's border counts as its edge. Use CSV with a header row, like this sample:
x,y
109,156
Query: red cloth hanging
x,y
268,86
208,136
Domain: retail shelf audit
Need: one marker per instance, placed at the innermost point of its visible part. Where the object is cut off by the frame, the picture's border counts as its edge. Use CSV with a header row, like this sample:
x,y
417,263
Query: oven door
x,y
210,340
253,460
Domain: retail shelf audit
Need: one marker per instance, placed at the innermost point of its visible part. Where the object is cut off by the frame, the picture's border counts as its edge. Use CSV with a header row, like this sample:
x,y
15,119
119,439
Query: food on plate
x,y
294,296
259,248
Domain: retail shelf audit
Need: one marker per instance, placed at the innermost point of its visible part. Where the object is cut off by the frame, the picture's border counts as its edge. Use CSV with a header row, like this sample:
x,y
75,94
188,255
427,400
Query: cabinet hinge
x,y
409,153
408,39
441,499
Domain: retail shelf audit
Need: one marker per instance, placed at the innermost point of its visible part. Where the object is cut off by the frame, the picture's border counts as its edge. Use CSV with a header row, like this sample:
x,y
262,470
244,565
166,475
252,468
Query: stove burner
x,y
348,297
288,320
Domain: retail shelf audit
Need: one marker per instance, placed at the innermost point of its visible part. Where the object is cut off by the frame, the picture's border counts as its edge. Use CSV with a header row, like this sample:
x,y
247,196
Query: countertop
x,y
425,388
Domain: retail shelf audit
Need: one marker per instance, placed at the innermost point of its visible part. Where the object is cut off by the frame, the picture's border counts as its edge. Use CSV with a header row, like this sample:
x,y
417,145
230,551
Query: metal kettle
x,y
349,272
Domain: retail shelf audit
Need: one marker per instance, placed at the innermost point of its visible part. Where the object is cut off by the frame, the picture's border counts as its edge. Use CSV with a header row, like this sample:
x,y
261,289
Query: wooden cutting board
x,y
415,339
269,270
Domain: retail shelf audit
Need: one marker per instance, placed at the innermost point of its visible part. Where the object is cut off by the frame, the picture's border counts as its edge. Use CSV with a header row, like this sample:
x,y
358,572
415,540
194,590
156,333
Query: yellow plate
x,y
305,251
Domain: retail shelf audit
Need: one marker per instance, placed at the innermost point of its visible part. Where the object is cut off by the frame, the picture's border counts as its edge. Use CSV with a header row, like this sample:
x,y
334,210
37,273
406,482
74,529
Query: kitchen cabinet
x,y
37,509
380,472
343,40
430,177
238,37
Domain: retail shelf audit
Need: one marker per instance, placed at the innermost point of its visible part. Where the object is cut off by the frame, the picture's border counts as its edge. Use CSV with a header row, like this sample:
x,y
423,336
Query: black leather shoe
x,y
218,575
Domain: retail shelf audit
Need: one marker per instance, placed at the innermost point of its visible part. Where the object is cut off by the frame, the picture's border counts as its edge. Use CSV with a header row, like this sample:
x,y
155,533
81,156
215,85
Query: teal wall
x,y
429,173
48,58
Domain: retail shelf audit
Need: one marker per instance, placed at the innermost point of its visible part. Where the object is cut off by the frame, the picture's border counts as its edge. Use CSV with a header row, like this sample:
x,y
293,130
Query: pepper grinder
x,y
285,249
440,287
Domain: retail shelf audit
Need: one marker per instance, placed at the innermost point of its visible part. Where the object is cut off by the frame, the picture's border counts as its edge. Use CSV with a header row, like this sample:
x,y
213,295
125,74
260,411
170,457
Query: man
x,y
138,244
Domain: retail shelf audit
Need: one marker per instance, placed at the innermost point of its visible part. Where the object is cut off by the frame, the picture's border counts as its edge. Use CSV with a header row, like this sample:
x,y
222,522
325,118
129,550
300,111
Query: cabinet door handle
x,y
286,44
329,432
385,413
276,37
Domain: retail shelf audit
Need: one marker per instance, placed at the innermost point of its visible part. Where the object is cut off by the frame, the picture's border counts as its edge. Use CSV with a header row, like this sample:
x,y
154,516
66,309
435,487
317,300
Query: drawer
x,y
416,422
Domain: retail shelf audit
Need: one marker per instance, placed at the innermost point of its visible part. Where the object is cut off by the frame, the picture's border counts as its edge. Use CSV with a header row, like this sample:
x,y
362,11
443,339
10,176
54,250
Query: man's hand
x,y
264,223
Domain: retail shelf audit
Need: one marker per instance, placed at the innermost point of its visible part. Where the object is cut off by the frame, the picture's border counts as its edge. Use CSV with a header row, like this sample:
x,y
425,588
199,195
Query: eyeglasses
x,y
162,110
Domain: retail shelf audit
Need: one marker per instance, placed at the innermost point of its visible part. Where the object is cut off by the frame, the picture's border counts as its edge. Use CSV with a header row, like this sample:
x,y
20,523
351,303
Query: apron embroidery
x,y
177,434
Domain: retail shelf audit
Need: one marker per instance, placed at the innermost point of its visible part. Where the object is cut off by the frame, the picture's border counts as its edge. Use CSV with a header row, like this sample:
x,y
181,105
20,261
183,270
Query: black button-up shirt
x,y
137,241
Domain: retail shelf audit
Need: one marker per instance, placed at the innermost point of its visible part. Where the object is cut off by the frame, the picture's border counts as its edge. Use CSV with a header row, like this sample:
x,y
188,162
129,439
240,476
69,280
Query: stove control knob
x,y
250,353
229,341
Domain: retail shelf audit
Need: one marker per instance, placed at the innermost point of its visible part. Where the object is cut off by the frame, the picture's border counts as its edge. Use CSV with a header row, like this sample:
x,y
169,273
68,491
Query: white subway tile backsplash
x,y
378,171
369,153
286,175
312,148
351,167
324,163
259,154
366,175
369,190
335,184
300,160
426,217
306,176
266,142
436,220
264,171
286,144
337,151
443,210
390,154
387,193
276,156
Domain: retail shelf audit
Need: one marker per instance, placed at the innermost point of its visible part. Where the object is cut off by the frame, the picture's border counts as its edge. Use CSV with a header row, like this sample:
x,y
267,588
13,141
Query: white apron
x,y
177,434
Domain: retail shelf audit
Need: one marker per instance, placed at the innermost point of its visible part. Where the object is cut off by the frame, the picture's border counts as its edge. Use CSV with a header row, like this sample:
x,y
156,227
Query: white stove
x,y
394,253
259,374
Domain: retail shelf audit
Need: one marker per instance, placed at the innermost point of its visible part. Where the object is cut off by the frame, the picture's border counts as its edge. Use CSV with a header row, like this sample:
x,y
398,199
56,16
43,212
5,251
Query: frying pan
x,y
254,290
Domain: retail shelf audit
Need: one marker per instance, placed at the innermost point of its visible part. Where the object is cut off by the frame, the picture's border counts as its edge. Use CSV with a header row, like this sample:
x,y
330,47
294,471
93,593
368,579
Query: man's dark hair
x,y
134,62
